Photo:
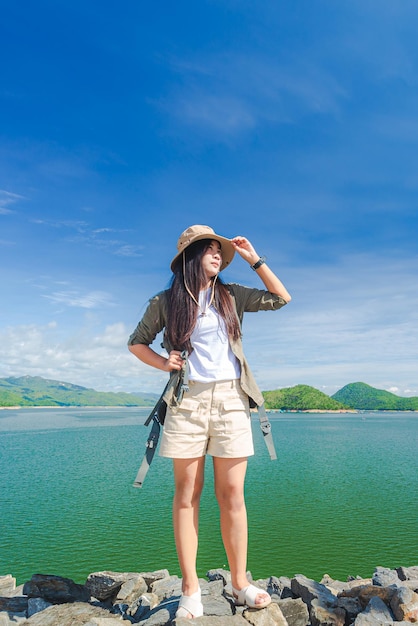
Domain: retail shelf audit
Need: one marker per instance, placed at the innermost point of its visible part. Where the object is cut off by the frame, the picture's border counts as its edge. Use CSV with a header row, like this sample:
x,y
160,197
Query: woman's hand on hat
x,y
245,249
174,361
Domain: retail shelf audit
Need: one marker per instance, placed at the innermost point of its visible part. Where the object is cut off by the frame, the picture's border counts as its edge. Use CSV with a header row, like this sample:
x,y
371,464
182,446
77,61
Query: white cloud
x,y
90,300
100,361
6,199
230,93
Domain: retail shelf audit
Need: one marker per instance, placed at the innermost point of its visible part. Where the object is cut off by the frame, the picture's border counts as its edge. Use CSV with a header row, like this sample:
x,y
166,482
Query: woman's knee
x,y
188,490
188,481
230,497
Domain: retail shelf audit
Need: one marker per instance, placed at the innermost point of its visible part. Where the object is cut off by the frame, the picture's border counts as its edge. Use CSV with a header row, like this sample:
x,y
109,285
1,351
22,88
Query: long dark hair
x,y
183,310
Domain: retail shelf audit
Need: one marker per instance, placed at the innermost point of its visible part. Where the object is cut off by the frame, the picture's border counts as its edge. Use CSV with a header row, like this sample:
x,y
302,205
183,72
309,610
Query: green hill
x,y
301,398
38,391
364,397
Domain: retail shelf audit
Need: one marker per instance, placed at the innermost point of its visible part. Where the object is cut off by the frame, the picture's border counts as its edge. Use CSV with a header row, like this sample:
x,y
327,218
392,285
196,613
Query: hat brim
x,y
228,249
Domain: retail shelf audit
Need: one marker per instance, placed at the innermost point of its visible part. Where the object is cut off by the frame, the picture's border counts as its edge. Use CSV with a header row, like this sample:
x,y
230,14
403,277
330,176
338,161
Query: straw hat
x,y
198,232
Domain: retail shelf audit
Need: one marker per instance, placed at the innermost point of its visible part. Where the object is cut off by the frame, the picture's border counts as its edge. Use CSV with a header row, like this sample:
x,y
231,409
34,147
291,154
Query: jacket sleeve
x,y
249,299
153,321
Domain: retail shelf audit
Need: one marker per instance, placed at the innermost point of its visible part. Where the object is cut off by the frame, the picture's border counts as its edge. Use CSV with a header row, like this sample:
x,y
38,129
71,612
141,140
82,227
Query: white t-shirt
x,y
211,358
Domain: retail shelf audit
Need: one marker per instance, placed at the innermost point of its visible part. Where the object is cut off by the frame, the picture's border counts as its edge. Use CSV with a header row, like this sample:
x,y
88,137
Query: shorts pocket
x,y
187,405
235,404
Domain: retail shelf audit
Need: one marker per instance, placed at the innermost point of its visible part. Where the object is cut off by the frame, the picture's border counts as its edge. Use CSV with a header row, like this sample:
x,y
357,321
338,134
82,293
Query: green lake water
x,y
341,499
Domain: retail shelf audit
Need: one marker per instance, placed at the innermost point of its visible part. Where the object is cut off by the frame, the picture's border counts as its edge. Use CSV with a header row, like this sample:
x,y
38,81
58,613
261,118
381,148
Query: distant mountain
x,y
38,391
364,397
301,398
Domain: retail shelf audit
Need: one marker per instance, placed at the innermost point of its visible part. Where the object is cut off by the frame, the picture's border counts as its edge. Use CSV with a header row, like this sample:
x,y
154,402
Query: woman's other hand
x,y
245,249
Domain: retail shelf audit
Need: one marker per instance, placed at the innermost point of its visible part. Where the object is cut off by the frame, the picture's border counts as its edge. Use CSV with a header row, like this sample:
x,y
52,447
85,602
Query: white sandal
x,y
191,605
248,595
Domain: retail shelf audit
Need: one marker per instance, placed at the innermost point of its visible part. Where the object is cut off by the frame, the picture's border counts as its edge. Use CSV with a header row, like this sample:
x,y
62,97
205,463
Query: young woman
x,y
202,315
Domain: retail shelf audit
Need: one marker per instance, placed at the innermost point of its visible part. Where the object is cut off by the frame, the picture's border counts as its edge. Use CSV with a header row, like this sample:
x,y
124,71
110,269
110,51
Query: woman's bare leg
x,y
188,479
229,489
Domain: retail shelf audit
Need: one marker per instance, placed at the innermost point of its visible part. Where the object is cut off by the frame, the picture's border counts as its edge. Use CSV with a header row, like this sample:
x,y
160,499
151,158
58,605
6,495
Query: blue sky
x,y
292,123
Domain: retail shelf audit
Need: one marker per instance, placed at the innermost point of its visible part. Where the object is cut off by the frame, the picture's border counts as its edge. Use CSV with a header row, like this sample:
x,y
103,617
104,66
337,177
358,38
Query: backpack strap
x,y
150,449
266,430
180,381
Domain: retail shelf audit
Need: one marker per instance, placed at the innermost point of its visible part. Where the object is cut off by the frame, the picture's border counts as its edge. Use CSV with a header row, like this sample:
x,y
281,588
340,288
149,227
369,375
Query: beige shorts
x,y
213,418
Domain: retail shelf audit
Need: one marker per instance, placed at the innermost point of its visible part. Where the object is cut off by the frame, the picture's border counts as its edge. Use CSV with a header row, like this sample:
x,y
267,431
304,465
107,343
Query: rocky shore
x,y
390,596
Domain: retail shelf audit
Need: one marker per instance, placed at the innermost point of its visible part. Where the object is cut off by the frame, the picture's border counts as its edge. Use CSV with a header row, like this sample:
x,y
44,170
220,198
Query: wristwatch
x,y
259,263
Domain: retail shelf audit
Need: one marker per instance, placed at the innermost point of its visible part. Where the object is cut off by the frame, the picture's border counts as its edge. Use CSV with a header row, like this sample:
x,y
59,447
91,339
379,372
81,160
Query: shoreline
x,y
388,596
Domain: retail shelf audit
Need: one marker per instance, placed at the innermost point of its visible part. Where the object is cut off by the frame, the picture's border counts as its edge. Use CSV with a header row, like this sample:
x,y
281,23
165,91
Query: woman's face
x,y
212,259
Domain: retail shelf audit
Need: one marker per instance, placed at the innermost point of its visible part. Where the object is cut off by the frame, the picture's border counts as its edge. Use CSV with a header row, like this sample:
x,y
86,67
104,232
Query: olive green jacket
x,y
245,299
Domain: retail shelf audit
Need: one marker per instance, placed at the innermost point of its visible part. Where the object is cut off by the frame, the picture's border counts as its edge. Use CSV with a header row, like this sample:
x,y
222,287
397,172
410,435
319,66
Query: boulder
x,y
383,577
55,589
295,611
104,621
167,587
164,613
17,604
279,588
375,614
151,577
351,606
219,574
358,582
216,605
365,593
325,614
74,614
7,585
105,585
309,590
133,587
139,609
235,620
334,586
36,605
215,587
404,605
408,573
270,616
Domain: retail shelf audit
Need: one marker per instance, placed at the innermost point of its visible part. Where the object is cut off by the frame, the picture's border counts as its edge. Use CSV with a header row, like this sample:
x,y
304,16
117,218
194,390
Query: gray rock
x,y
163,614
408,573
55,589
219,574
270,616
235,620
365,593
383,577
104,621
351,606
14,604
295,611
7,585
151,577
280,587
36,605
216,605
139,609
215,587
166,587
375,614
4,619
105,585
324,614
334,586
309,590
358,582
74,614
131,589
404,605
